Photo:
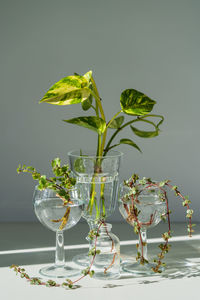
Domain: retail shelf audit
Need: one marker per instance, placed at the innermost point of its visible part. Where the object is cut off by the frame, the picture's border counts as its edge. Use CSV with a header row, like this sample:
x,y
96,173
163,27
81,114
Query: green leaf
x,y
94,123
145,134
116,123
136,103
130,142
69,90
86,104
56,162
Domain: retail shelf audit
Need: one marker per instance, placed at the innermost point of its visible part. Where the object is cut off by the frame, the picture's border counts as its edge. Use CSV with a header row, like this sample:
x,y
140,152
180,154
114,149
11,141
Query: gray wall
x,y
149,45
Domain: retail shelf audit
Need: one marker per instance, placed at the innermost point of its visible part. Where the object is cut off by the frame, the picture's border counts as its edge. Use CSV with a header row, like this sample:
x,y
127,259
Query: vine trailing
x,y
137,186
68,282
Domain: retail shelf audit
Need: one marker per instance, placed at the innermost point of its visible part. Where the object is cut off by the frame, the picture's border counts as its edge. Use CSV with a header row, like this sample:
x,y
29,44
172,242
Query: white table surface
x,y
31,245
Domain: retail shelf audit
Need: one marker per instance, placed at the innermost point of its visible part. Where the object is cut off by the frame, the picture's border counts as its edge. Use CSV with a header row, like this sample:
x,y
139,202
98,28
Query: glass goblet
x,y
53,214
151,208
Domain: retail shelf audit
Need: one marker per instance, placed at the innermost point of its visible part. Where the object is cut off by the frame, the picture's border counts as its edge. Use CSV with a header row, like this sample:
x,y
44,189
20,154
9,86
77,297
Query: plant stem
x,y
115,116
108,149
117,131
128,123
95,94
105,132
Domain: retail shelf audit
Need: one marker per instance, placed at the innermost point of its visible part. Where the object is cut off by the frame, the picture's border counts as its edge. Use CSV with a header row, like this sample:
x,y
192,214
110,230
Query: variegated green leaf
x,y
94,123
69,90
136,103
145,134
87,103
88,76
116,123
130,142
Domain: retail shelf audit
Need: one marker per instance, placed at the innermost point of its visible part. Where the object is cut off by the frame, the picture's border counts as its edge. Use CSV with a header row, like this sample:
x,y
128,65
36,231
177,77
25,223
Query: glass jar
x,y
106,264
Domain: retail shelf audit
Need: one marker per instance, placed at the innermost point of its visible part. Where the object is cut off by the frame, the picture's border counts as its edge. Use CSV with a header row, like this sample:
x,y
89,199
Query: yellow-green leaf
x,y
136,103
116,123
94,123
88,76
69,90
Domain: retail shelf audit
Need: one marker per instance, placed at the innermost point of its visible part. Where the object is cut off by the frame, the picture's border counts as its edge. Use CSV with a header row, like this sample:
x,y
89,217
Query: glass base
x,y
137,268
102,276
82,259
59,271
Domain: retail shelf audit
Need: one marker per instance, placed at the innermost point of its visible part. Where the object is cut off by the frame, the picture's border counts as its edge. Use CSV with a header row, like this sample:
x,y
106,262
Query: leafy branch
x,y
61,183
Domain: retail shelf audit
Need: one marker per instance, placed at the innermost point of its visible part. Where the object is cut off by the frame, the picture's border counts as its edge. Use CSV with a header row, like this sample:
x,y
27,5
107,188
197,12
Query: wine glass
x,y
151,208
57,216
97,178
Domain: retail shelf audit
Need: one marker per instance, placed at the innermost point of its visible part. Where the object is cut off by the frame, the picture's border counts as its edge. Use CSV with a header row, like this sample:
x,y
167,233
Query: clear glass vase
x,y
151,208
98,180
106,264
58,217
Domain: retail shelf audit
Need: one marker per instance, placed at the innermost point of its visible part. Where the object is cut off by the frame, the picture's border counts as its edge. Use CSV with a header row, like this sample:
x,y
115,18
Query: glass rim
x,y
117,154
71,189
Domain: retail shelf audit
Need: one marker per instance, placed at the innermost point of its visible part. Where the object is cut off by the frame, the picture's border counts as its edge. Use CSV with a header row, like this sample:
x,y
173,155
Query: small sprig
x,y
92,234
136,187
61,183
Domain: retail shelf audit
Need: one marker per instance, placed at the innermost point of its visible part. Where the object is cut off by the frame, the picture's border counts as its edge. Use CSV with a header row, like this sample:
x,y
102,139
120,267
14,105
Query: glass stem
x,y
60,252
143,241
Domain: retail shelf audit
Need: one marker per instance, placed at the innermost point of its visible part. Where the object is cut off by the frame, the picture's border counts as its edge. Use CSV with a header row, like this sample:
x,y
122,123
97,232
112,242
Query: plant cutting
x,y
83,89
144,203
77,89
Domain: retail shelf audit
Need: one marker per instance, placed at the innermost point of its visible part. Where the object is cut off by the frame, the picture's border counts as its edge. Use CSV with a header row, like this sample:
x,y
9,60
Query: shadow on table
x,y
183,261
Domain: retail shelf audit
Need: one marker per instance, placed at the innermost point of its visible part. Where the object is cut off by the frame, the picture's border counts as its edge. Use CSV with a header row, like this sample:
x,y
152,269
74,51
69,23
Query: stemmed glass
x,y
97,178
150,209
56,216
